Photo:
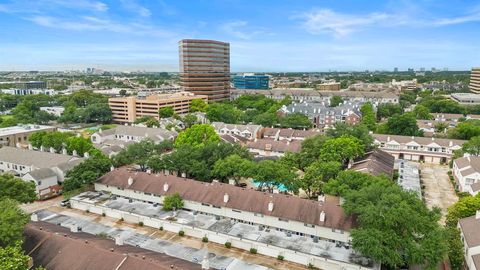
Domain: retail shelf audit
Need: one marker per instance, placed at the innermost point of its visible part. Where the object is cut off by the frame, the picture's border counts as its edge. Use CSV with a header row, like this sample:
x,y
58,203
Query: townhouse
x,y
248,132
466,172
45,169
268,148
470,236
422,149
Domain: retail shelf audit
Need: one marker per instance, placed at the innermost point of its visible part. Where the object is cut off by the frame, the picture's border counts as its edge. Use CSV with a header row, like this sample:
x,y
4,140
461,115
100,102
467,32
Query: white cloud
x,y
339,24
240,30
135,7
473,17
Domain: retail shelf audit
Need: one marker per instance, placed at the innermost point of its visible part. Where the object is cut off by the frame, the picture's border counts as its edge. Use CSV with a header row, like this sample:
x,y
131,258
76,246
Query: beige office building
x,y
205,68
128,109
18,135
331,86
475,80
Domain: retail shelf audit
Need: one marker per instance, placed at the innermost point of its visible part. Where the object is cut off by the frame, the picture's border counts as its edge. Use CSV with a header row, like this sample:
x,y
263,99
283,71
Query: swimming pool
x,y
281,187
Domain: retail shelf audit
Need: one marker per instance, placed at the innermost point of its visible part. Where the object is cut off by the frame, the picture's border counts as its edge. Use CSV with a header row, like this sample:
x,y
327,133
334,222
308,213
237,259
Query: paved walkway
x,y
439,190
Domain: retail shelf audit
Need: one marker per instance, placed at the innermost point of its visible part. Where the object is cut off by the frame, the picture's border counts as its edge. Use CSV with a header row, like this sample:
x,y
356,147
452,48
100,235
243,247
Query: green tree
x,y
15,188
360,132
465,130
13,258
405,124
269,174
472,146
152,122
335,101
422,112
87,172
295,120
197,135
171,202
96,113
465,207
190,120
12,221
316,175
79,144
386,110
166,112
136,153
224,112
368,116
266,119
198,105
232,167
440,127
123,92
342,149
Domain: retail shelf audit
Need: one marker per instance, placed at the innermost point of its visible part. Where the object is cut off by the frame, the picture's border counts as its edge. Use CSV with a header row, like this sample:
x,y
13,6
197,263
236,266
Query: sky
x,y
264,35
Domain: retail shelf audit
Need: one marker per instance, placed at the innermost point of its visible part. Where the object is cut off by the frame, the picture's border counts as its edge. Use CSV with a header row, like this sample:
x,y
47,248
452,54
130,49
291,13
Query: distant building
x,y
128,109
55,110
268,148
323,116
319,96
45,169
329,86
469,228
205,68
429,150
376,162
475,80
251,81
11,136
395,69
248,132
24,92
466,98
31,85
466,172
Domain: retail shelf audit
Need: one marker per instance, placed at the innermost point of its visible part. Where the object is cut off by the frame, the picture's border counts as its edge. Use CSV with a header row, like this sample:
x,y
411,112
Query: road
x,y
439,190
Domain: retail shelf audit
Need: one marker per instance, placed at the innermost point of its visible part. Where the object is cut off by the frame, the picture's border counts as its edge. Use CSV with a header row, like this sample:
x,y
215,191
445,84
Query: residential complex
x,y
12,136
475,80
376,162
325,96
466,172
45,169
251,81
128,109
429,150
469,233
323,116
248,132
224,212
329,86
205,68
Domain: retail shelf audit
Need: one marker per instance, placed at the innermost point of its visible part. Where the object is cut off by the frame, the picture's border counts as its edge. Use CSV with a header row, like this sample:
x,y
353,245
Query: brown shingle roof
x,y
376,162
56,248
470,227
285,206
275,146
419,140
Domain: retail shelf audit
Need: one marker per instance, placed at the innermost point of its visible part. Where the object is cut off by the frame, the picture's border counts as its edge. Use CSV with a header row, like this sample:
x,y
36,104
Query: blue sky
x,y
264,35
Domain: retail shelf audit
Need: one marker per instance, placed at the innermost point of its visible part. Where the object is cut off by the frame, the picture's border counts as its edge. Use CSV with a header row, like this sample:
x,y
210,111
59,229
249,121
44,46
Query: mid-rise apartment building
x,y
128,109
475,80
205,68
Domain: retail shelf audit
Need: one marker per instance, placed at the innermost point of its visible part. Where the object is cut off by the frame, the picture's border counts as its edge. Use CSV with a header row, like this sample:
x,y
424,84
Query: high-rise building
x,y
205,68
395,69
251,81
475,80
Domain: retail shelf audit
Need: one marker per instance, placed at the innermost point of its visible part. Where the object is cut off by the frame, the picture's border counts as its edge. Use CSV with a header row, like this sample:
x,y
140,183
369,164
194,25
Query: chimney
x,y
30,146
477,214
450,143
34,217
130,181
321,198
64,151
205,262
350,163
226,198
388,138
119,240
184,175
52,150
74,228
86,155
74,153
270,206
322,216
149,171
231,182
42,148
165,187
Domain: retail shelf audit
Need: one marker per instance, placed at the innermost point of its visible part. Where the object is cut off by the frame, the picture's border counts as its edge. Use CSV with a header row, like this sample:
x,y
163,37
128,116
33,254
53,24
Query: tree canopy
x,y
171,202
15,188
12,221
166,112
198,105
197,135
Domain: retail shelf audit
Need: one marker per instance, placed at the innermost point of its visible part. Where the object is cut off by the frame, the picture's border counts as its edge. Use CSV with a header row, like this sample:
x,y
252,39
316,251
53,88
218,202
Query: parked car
x,y
65,203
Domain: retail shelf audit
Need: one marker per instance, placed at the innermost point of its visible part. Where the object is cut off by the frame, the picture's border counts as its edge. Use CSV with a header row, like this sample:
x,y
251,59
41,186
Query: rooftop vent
x,y
130,181
165,187
270,206
322,216
226,198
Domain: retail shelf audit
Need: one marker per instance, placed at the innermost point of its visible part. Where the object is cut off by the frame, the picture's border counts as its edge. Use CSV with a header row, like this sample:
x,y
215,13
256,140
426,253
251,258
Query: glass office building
x,y
251,82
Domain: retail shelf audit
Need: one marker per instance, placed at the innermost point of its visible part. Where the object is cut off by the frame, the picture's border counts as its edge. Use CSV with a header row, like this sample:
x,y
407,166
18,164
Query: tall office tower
x,y
475,80
205,68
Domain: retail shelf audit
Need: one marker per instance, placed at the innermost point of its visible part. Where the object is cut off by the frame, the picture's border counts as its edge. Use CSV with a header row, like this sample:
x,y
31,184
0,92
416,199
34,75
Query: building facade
x,y
205,68
475,80
128,109
12,136
469,229
329,86
466,172
250,81
429,150
466,98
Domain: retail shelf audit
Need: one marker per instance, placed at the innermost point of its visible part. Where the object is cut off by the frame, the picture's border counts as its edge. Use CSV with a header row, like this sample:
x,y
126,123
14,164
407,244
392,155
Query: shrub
x,y
253,250
140,223
121,219
280,257
87,211
181,233
172,201
161,228
205,239
103,214
228,244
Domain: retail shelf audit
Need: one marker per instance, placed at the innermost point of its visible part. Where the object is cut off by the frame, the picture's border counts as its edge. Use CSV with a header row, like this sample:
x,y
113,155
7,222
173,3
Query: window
x,y
309,225
236,211
205,204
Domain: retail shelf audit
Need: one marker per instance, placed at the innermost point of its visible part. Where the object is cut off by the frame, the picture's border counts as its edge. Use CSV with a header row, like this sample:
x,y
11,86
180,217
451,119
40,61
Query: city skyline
x,y
266,36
